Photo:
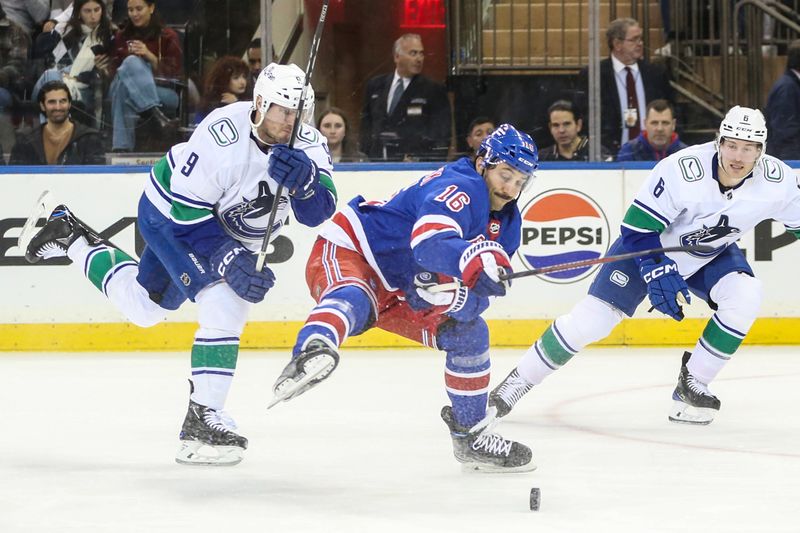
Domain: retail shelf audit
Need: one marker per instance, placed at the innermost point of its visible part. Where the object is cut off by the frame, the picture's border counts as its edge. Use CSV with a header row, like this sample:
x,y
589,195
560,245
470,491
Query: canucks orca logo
x,y
708,236
247,220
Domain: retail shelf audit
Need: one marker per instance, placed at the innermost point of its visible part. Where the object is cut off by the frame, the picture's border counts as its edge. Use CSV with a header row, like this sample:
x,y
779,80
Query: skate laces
x,y
513,388
51,249
220,421
697,386
492,443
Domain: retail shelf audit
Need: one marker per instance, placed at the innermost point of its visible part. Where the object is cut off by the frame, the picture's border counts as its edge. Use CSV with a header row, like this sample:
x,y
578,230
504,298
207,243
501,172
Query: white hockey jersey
x,y
682,200
221,172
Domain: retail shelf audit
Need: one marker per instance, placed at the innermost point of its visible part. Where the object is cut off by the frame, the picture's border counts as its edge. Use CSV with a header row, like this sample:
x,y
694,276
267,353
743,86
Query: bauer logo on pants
x,y
560,226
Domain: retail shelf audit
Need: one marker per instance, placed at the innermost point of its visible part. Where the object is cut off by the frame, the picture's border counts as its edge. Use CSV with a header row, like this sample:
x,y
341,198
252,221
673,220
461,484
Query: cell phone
x,y
98,49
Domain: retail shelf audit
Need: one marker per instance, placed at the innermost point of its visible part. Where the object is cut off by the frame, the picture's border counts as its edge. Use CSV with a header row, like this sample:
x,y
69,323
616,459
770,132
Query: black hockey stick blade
x,y
607,259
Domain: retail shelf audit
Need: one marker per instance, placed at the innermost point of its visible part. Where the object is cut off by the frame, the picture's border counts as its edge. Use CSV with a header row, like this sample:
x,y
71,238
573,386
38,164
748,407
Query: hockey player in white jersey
x,y
709,194
204,211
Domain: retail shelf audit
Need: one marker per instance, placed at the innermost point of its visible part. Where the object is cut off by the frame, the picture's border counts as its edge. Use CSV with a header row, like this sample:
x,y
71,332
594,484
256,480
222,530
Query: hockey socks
x,y
99,263
344,312
214,359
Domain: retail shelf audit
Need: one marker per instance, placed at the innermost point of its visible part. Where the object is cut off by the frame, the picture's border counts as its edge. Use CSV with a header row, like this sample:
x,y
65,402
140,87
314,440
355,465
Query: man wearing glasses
x,y
627,84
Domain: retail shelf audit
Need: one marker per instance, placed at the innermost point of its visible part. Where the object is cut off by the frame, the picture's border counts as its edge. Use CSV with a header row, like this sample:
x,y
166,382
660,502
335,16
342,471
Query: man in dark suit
x,y
627,84
783,109
406,116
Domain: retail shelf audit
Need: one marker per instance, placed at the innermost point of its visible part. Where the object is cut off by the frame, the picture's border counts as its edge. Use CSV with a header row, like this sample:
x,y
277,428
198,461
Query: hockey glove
x,y
294,170
237,266
664,284
481,265
462,304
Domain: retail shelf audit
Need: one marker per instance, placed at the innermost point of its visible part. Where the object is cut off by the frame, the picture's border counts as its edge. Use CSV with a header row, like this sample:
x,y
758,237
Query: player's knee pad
x,y
133,300
463,340
219,308
738,297
354,304
589,321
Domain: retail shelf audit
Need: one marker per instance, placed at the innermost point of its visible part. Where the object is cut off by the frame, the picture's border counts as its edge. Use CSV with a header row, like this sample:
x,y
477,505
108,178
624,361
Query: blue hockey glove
x,y
462,304
294,170
664,284
237,266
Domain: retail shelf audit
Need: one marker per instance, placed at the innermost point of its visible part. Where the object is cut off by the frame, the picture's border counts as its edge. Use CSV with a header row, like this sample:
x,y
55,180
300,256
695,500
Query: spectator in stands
x,y
658,140
59,141
254,59
80,52
28,14
783,109
333,124
14,47
627,83
226,83
565,127
405,115
478,130
144,50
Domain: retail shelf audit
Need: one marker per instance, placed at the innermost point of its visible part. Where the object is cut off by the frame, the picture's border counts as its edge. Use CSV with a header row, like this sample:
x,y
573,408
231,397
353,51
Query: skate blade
x,y
41,209
683,413
314,367
495,469
200,454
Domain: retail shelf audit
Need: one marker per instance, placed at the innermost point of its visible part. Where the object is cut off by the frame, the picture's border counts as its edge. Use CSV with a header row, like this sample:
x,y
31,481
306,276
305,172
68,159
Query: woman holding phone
x,y
81,55
144,51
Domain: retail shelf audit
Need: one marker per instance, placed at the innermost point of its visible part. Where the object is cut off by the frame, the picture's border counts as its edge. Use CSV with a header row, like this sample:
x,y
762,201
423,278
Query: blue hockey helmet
x,y
507,144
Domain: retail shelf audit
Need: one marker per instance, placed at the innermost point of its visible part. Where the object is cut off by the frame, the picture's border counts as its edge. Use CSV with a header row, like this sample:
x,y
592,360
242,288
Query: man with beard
x,y
59,141
658,140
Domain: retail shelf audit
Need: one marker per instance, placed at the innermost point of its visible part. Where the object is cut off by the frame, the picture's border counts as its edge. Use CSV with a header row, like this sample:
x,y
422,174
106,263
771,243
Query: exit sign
x,y
422,14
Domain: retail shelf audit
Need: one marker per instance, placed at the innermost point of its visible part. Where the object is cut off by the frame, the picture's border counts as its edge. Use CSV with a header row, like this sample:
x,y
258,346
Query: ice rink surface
x,y
87,445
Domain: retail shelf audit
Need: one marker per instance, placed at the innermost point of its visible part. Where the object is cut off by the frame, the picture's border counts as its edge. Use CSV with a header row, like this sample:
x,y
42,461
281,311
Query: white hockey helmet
x,y
282,85
745,124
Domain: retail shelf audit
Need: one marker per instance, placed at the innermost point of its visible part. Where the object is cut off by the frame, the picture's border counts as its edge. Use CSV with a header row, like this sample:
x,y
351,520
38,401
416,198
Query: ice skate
x,y
694,404
58,233
313,365
508,393
207,438
478,448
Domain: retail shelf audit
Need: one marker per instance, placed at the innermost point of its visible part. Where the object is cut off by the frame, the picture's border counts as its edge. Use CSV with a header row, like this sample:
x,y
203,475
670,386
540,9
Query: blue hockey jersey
x,y
426,226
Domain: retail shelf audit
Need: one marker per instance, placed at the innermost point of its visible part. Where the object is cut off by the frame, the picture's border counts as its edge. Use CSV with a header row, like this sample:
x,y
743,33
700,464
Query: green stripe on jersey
x,y
326,180
184,213
795,232
719,339
102,262
553,349
215,356
641,219
163,173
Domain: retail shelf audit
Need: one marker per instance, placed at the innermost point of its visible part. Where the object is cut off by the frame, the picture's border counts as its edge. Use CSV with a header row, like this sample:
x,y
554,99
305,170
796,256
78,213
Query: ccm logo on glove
x,y
659,271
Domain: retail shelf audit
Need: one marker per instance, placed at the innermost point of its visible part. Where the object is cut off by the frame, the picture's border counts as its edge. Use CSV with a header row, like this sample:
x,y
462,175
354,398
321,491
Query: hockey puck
x,y
536,496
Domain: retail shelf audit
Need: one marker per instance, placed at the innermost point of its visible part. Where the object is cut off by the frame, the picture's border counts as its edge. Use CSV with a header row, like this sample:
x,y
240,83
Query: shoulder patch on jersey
x,y
772,170
308,135
691,169
223,132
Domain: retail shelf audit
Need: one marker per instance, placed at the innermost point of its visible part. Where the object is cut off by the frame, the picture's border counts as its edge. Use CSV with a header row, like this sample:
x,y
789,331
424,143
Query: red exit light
x,y
422,14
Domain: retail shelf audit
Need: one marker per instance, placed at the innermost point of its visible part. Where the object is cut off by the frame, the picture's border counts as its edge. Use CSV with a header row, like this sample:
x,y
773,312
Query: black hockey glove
x,y
237,266
294,170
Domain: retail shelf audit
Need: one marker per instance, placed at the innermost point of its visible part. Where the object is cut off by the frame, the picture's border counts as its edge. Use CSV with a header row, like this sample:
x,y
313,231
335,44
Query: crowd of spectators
x,y
131,73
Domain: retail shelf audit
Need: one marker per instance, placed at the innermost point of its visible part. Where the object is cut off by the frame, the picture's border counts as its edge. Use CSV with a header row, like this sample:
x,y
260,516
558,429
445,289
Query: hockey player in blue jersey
x,y
374,262
203,213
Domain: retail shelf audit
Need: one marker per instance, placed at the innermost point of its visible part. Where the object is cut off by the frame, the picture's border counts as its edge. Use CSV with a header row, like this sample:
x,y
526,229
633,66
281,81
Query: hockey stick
x,y
572,265
312,58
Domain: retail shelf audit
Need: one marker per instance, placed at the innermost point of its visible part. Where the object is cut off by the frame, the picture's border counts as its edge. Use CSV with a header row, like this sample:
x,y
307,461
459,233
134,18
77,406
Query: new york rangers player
x,y
203,213
374,262
709,194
